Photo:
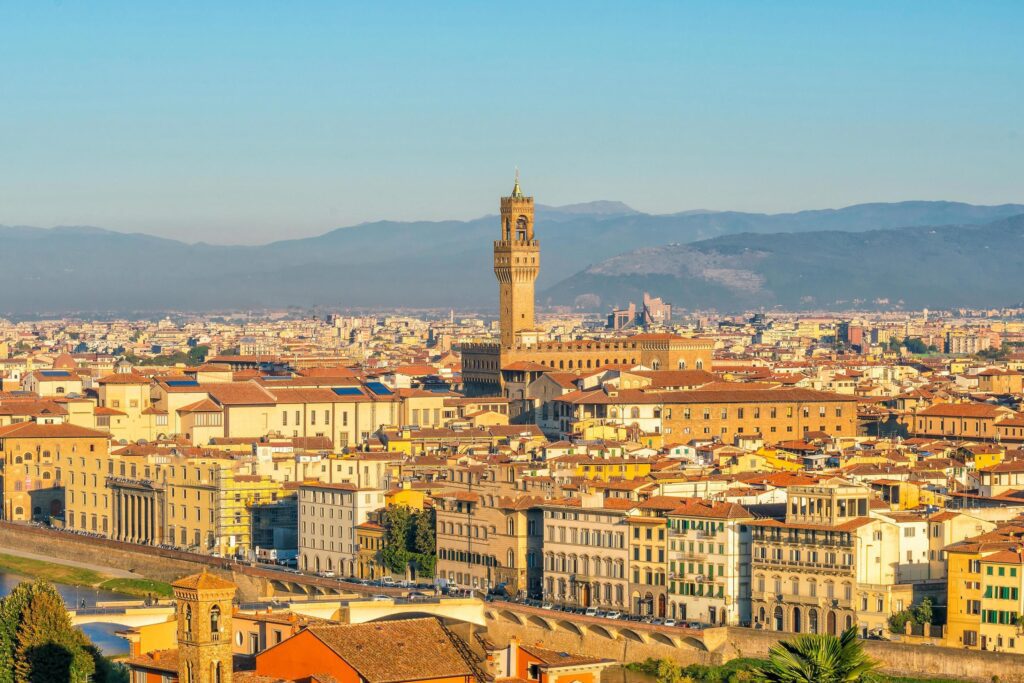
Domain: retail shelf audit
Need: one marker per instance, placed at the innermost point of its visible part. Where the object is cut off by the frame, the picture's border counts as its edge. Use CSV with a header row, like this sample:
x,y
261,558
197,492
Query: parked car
x,y
613,615
380,598
670,622
590,612
546,605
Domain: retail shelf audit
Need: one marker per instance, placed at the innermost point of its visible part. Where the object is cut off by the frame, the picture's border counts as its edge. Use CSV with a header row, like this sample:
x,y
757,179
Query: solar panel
x,y
54,373
275,377
379,388
347,391
182,383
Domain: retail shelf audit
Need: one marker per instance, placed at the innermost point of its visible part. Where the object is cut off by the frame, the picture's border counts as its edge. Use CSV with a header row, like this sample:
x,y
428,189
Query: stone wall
x,y
152,563
500,630
895,658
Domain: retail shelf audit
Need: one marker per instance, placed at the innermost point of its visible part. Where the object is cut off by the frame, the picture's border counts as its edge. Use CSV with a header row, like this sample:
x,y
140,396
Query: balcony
x,y
767,563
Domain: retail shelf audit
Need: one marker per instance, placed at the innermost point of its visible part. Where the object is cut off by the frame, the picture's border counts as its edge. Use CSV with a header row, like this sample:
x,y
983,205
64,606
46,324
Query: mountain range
x,y
596,254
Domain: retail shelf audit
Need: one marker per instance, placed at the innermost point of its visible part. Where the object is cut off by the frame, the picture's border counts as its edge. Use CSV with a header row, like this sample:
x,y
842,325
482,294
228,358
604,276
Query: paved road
x,y
106,571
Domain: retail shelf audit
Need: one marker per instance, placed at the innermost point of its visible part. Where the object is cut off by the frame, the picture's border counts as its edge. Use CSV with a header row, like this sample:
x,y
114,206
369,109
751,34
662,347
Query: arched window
x,y
511,558
188,623
634,412
700,364
656,364
682,364
216,672
511,526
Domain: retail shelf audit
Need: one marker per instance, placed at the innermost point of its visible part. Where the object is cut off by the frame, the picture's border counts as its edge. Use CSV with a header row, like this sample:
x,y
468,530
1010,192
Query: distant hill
x,y
917,267
388,264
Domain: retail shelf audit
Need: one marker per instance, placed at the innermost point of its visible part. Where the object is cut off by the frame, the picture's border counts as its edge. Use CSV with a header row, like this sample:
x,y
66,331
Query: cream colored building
x,y
828,566
586,554
709,562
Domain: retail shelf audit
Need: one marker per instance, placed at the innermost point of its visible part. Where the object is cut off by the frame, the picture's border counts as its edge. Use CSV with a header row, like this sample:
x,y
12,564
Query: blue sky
x,y
250,121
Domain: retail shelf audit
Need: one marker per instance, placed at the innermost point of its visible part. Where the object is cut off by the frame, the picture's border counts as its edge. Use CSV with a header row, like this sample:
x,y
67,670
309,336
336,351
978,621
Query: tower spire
x,y
516,192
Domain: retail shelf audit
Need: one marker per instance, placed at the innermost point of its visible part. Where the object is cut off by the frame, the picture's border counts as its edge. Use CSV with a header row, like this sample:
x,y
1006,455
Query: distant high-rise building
x,y
652,311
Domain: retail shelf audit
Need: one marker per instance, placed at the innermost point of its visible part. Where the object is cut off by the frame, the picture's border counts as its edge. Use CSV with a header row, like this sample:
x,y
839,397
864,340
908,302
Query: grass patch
x,y
55,573
86,578
138,587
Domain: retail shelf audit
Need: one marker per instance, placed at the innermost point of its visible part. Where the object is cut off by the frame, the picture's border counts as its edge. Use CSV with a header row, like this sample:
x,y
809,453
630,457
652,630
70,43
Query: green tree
x,y
424,541
197,354
818,658
107,670
915,345
48,647
398,528
11,609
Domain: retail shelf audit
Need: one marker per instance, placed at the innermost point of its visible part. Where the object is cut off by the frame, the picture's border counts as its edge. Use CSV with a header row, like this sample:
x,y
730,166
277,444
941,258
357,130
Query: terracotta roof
x,y
158,660
123,378
973,410
555,658
239,393
202,581
416,649
204,405
35,430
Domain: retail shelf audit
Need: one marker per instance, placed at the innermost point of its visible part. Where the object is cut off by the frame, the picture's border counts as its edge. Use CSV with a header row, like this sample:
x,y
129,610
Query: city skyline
x,y
247,125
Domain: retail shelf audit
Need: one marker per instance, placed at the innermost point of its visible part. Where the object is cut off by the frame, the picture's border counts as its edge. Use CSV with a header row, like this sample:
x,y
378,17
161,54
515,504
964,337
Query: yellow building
x,y
370,539
124,399
407,495
605,469
780,460
985,589
34,456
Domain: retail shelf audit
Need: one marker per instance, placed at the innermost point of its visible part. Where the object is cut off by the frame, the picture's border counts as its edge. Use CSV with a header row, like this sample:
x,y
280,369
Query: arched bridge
x,y
469,610
132,616
703,640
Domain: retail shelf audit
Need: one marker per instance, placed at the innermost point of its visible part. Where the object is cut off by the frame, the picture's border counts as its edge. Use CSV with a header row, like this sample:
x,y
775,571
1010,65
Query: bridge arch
x,y
630,634
602,631
664,638
570,626
511,616
540,621
693,642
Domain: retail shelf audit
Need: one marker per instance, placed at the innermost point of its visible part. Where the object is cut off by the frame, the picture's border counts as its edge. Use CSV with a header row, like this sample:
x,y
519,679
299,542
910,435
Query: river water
x,y
102,635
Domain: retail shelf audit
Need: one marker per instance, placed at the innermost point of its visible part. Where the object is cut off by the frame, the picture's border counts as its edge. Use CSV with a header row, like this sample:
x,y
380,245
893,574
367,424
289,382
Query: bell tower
x,y
204,628
516,264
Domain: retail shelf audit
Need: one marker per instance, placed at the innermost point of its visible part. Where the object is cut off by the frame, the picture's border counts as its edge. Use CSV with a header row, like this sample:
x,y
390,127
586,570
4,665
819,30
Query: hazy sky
x,y
251,121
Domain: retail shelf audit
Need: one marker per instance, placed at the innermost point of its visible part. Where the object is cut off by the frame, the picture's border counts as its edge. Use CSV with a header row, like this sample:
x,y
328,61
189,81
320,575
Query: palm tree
x,y
818,658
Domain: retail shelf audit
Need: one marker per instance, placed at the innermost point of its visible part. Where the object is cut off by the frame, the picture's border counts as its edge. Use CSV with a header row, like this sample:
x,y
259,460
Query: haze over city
x,y
236,123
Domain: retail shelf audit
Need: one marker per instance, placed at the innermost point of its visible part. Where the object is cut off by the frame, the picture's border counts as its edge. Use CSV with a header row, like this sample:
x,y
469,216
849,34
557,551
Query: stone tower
x,y
516,264
204,628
